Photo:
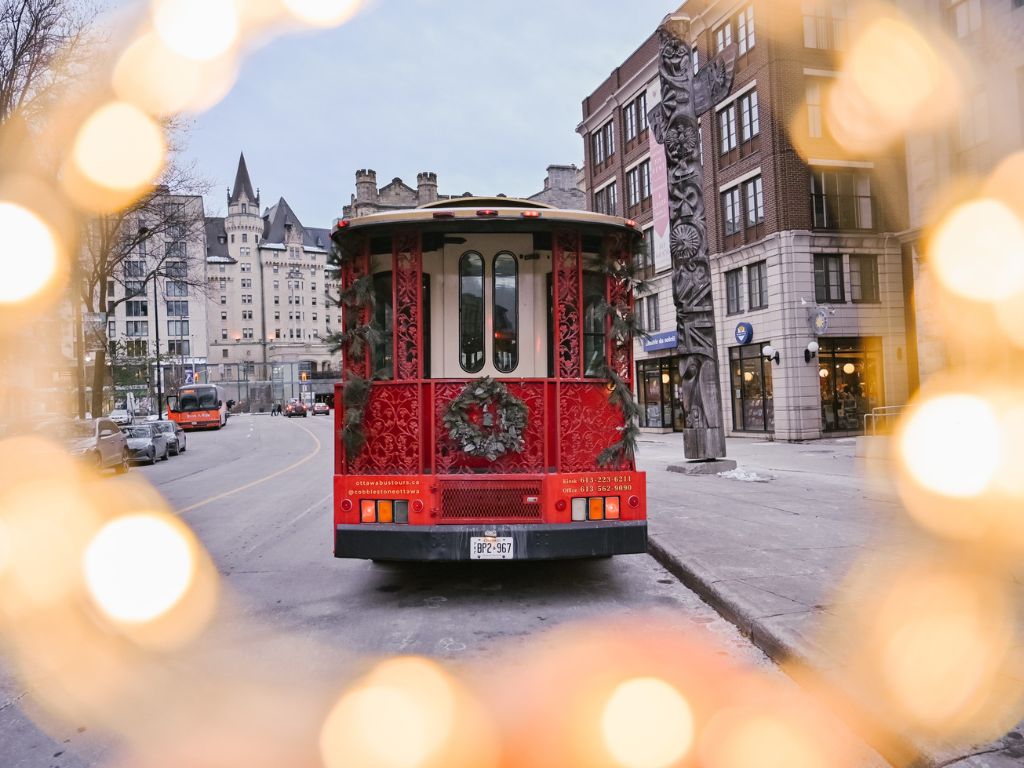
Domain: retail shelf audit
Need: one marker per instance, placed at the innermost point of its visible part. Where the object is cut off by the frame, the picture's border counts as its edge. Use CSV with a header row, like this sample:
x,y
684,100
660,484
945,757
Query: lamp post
x,y
159,372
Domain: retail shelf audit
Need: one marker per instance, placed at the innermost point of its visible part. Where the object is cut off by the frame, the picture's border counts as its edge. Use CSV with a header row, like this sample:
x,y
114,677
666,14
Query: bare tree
x,y
43,44
159,239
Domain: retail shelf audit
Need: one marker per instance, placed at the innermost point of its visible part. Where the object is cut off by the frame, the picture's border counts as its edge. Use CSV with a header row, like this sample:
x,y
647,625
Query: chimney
x,y
366,185
426,187
561,177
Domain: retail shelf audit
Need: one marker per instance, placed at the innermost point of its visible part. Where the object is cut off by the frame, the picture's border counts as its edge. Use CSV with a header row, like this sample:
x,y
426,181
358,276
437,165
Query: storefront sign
x,y
744,333
663,340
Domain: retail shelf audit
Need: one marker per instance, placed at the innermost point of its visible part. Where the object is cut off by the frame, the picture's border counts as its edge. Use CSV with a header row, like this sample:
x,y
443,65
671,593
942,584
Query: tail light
x,y
444,215
417,506
579,509
634,501
594,508
611,508
346,505
368,511
530,214
385,510
560,505
487,212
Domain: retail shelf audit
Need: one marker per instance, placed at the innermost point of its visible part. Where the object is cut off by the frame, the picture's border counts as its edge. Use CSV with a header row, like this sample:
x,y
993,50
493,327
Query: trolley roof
x,y
494,214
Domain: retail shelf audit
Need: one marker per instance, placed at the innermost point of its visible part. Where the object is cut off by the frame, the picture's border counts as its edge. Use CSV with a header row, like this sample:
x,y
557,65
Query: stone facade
x,y
563,188
395,196
766,231
267,276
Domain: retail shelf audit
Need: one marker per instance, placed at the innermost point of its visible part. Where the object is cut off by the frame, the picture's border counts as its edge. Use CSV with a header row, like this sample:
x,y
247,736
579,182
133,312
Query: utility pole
x,y
159,372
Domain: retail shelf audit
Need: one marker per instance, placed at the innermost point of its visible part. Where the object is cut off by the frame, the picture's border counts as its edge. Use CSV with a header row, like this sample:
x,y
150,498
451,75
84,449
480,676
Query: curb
x,y
894,747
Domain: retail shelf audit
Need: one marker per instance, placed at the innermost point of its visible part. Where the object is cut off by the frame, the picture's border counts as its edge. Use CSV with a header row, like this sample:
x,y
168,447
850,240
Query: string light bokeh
x,y
110,621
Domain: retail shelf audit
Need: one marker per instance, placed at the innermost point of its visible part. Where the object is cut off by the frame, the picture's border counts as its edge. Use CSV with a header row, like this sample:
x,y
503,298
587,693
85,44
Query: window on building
x,y
178,347
750,124
223,299
733,281
176,288
634,118
814,125
652,321
247,333
224,353
247,314
828,278
224,316
864,279
277,314
842,199
754,202
471,312
638,188
136,348
603,143
606,200
644,259
245,237
138,308
964,16
745,29
246,266
723,36
247,298
134,269
134,287
111,285
757,285
277,301
232,237
246,282
825,24
277,333
727,129
731,213
177,327
275,269
177,309
137,328
224,333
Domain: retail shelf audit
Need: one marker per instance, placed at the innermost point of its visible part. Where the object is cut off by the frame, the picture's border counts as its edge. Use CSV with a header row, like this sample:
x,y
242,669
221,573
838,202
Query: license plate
x,y
490,548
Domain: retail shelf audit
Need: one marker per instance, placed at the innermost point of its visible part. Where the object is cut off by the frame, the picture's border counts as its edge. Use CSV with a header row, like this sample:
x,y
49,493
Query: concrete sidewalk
x,y
768,544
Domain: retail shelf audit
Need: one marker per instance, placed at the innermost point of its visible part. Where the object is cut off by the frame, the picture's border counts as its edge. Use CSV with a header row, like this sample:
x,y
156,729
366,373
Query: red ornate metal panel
x,y
620,354
354,269
510,501
587,424
449,460
392,424
568,325
408,277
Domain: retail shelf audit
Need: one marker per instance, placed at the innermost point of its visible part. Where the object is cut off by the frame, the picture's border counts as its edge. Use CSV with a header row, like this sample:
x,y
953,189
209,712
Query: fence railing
x,y
881,420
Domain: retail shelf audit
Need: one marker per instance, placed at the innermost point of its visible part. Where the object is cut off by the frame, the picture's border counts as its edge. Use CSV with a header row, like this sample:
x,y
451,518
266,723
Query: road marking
x,y
263,479
309,509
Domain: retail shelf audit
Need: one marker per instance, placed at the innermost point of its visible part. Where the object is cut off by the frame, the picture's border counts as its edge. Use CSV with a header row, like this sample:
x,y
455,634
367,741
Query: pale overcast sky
x,y
485,94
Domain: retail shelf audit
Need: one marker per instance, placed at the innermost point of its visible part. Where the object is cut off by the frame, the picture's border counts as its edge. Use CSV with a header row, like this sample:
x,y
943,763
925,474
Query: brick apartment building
x,y
801,250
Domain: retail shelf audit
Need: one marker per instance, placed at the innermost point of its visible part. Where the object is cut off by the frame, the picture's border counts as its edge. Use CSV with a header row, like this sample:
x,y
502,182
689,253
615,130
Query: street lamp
x,y
770,353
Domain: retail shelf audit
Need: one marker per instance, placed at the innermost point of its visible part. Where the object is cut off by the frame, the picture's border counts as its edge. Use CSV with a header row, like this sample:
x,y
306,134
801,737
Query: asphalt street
x,y
258,495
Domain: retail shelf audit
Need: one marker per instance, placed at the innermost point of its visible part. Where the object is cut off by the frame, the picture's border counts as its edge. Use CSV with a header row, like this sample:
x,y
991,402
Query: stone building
x,y
394,196
268,277
803,253
990,127
563,188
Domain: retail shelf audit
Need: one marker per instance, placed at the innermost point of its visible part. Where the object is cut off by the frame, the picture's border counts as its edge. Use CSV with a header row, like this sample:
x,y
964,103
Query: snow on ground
x,y
745,476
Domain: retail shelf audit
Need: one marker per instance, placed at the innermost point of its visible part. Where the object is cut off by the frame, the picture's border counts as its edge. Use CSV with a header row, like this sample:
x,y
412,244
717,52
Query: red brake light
x,y
634,501
530,214
346,505
560,505
417,506
486,212
631,223
342,223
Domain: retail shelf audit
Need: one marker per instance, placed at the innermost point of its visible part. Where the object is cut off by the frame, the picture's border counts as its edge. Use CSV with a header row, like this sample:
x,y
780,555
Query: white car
x,y
121,416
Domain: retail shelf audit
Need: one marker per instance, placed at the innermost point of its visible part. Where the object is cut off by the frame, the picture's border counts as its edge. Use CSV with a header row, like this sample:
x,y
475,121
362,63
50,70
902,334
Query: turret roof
x,y
242,183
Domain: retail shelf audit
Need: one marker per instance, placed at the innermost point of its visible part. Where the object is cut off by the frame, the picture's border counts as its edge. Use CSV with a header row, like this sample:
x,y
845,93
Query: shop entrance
x,y
753,408
659,390
850,377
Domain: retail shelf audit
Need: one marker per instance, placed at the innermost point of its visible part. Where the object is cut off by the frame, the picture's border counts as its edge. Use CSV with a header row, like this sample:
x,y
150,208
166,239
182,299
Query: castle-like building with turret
x,y
267,280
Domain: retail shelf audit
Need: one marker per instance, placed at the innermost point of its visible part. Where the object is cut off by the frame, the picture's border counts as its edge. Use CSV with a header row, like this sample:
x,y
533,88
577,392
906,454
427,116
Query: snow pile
x,y
745,477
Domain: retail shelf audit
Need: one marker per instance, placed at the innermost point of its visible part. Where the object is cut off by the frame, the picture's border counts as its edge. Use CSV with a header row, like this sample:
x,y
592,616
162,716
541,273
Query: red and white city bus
x,y
483,385
198,406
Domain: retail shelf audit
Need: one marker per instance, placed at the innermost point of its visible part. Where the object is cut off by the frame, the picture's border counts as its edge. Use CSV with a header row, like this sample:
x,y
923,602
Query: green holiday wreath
x,y
487,420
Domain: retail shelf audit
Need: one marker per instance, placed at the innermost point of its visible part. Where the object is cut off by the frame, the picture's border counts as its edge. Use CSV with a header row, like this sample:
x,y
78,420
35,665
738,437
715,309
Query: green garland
x,y
355,395
624,449
502,431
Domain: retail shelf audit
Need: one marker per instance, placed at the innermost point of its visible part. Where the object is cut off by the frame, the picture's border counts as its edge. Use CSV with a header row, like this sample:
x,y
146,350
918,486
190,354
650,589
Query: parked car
x,y
121,417
100,442
174,435
295,409
146,443
321,408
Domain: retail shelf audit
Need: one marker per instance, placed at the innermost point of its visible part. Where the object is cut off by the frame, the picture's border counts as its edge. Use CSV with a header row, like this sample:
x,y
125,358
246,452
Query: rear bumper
x,y
451,542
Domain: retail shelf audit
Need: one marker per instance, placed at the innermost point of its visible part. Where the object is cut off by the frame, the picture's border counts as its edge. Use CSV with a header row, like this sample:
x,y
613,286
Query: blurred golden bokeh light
x,y
892,80
647,724
119,148
950,444
164,82
767,737
23,277
977,251
197,29
138,566
419,699
323,13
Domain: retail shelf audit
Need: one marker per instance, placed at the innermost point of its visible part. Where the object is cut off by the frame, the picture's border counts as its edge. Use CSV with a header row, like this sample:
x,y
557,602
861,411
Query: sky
x,y
485,94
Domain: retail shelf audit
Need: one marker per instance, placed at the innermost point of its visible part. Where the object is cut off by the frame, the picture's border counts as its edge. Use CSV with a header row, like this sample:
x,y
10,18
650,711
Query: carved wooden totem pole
x,y
684,97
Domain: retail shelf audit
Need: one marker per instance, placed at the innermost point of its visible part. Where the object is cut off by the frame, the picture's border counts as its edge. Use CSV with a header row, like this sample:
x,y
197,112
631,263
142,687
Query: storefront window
x,y
752,398
851,381
659,390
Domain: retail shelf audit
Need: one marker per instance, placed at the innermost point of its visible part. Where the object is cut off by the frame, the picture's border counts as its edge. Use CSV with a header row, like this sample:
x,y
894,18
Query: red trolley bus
x,y
485,410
